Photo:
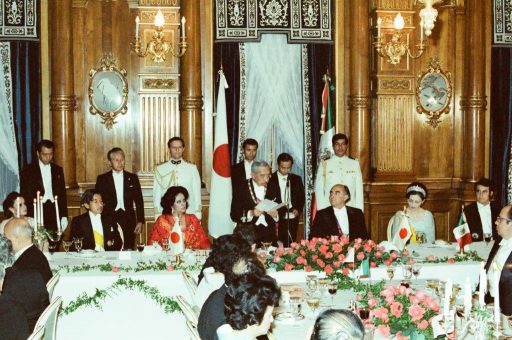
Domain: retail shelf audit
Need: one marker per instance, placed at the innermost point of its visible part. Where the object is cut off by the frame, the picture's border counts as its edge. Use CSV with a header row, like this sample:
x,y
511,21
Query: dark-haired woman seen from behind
x,y
174,204
13,205
248,305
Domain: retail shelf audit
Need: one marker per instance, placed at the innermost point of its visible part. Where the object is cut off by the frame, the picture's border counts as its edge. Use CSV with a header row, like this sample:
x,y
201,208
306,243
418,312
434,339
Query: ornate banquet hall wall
x,y
376,101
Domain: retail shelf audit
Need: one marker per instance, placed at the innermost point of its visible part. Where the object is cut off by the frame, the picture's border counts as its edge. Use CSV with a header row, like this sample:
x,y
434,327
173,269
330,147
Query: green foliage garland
x,y
84,300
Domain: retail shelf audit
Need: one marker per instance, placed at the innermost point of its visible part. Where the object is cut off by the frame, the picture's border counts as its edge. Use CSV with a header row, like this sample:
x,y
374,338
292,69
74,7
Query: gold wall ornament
x,y
158,47
108,90
434,92
396,48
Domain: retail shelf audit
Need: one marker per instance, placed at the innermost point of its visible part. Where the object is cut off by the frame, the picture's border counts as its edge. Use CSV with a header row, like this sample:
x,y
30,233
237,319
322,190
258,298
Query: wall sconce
x,y
158,47
395,49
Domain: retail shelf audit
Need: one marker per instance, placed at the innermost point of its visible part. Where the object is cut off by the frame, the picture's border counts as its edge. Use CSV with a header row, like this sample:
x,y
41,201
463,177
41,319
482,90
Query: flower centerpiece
x,y
403,312
329,255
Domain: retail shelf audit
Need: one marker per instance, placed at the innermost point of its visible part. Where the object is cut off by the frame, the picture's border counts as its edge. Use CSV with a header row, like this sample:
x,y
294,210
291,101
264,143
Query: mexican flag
x,y
461,231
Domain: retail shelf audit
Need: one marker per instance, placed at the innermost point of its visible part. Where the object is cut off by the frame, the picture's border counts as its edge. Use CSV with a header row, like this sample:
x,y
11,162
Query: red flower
x,y
302,252
451,260
277,259
373,264
337,248
170,268
384,331
336,264
288,267
314,257
345,271
328,269
360,256
308,269
396,309
328,255
416,312
323,249
320,263
341,257
405,252
115,269
423,324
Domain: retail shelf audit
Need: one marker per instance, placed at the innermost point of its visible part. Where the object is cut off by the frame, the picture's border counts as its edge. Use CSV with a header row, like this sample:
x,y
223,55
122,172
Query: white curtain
x,y
273,99
9,171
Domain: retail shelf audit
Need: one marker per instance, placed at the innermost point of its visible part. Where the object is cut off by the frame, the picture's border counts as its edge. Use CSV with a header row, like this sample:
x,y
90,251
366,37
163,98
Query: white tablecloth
x,y
130,315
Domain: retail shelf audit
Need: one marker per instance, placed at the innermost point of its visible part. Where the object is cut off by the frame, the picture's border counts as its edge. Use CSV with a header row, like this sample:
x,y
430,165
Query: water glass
x,y
78,244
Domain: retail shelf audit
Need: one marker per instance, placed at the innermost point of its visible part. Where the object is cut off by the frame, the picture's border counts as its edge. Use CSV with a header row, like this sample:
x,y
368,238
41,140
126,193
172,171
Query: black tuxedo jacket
x,y
475,224
238,175
13,323
297,192
212,314
505,281
131,193
33,258
26,288
31,182
243,202
81,226
325,224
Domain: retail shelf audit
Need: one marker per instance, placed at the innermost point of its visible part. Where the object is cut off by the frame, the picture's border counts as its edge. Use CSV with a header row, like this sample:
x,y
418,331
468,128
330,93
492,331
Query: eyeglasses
x,y
499,219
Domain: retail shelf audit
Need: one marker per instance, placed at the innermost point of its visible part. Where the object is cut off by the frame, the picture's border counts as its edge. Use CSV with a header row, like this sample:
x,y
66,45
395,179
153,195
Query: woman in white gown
x,y
421,220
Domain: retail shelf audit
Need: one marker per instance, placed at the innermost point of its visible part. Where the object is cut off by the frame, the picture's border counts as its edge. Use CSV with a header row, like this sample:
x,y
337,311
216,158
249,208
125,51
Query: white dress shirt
x,y
485,216
46,174
97,226
259,192
498,262
247,166
119,185
342,218
285,195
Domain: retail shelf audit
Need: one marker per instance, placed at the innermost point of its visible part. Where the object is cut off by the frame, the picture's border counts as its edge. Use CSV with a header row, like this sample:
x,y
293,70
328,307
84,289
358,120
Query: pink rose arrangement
x,y
403,312
328,255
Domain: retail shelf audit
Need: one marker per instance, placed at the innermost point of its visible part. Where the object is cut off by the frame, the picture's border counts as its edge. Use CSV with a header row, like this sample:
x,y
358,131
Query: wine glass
x,y
66,245
364,314
313,303
407,271
52,246
140,247
165,244
416,270
312,283
390,271
487,238
333,288
78,244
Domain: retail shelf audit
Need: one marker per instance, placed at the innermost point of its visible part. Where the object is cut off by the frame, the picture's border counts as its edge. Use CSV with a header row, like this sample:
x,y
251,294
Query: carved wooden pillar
x,y
191,100
473,102
359,99
62,97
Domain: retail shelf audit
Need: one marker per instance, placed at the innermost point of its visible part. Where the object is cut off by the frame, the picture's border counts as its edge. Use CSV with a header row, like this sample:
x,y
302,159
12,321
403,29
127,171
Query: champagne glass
x,y
487,238
78,244
313,303
66,245
407,271
140,247
333,289
390,271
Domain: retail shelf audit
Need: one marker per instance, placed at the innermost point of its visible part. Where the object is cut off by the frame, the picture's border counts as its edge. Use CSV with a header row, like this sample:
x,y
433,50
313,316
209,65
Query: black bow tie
x,y
176,162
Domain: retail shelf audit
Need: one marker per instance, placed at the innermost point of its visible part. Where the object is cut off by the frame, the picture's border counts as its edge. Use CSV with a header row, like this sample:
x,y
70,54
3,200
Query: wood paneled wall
x,y
376,101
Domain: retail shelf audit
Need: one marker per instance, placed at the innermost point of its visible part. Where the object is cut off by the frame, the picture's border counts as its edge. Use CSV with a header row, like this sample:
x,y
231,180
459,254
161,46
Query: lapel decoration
x,y
253,195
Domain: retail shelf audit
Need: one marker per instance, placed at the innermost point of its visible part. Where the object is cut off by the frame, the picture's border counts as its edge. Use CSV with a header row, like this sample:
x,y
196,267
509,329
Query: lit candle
x,y
447,296
35,212
497,310
379,24
137,21
41,215
467,297
17,207
483,285
183,21
58,215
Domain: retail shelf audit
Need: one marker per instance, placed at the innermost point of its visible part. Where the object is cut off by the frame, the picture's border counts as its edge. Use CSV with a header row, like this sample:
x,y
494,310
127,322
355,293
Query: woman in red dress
x,y
174,204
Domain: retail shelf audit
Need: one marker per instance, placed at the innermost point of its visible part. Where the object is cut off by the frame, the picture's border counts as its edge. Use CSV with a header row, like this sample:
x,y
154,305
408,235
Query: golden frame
x,y
108,91
434,92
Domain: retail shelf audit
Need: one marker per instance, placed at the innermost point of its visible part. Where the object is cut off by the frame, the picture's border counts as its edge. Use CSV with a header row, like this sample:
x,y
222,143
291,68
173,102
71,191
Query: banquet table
x,y
131,315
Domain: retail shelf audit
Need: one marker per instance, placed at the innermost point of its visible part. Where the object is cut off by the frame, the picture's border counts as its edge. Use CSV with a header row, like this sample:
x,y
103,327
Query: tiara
x,y
416,188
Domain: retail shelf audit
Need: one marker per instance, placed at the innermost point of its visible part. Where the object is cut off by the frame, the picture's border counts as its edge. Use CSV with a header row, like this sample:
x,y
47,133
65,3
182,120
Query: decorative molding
x,y
502,23
394,133
59,102
19,20
302,20
79,3
160,3
159,121
191,103
388,19
159,84
358,102
473,102
394,85
394,4
308,159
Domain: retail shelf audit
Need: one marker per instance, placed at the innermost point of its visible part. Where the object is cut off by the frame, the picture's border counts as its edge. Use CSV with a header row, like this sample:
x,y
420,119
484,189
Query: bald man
x,y
26,254
339,219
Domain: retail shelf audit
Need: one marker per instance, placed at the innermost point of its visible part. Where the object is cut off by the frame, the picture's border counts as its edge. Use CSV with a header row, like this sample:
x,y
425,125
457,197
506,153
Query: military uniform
x,y
339,170
183,174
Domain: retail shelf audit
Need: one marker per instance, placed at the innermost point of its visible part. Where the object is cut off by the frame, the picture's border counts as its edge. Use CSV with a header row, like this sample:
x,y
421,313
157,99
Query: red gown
x,y
193,233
